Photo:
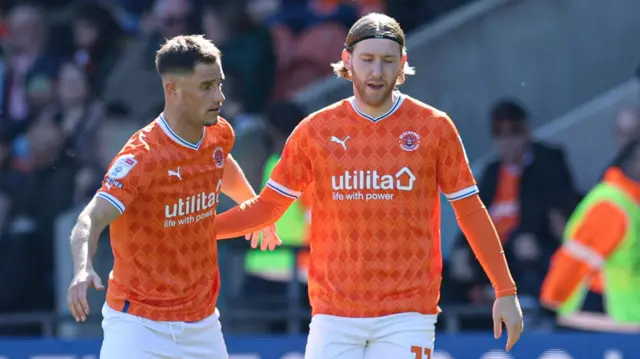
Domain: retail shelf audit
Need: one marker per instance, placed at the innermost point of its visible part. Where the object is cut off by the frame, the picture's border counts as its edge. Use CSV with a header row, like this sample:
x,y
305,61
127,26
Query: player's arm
x,y
477,226
595,238
289,178
459,186
456,181
93,219
119,188
252,215
234,182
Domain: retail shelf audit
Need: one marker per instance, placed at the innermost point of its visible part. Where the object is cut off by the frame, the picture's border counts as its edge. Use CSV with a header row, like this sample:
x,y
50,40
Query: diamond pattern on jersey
x,y
375,233
164,243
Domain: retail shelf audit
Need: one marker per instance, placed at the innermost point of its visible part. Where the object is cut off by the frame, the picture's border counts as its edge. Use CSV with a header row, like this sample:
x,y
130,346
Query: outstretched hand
x,y
270,239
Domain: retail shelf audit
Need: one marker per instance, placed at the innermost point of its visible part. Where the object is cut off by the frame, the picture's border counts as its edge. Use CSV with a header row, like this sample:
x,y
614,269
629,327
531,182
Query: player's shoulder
x,y
222,134
137,149
222,129
423,110
222,125
143,141
432,116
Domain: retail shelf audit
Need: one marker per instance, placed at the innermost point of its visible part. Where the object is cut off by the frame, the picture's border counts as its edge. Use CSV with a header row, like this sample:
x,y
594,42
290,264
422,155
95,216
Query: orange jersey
x,y
375,229
167,190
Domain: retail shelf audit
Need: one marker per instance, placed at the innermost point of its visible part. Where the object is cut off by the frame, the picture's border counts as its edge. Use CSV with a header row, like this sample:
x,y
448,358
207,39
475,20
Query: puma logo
x,y
342,143
175,173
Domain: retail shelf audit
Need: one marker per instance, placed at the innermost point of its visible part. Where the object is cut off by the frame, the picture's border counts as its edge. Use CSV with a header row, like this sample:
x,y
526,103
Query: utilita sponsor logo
x,y
370,184
190,209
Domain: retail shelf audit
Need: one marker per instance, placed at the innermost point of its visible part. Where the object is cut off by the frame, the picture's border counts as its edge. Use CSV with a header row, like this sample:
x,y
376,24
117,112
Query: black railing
x,y
294,313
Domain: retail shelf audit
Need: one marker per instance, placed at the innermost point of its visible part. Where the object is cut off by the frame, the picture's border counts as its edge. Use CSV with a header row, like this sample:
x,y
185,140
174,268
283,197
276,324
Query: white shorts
x,y
397,336
128,336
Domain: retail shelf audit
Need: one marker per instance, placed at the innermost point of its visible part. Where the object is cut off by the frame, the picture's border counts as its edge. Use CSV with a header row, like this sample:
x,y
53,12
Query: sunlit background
x,y
78,79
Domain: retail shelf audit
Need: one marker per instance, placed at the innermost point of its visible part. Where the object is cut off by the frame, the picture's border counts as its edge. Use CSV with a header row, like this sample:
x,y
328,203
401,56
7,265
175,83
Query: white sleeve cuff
x,y
283,190
463,193
113,200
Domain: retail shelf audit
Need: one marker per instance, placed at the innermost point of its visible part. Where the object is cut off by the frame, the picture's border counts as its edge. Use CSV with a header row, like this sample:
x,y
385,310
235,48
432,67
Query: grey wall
x,y
587,132
552,54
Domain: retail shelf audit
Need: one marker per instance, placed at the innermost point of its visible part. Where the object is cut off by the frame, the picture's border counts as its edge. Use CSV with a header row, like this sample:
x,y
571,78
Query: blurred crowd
x,y
530,193
78,78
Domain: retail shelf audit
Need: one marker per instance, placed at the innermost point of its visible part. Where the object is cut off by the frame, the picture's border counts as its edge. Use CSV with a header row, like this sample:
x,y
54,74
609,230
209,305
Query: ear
x,y
169,87
346,59
401,75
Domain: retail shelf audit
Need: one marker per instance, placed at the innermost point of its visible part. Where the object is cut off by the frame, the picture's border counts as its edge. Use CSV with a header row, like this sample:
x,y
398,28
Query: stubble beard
x,y
371,99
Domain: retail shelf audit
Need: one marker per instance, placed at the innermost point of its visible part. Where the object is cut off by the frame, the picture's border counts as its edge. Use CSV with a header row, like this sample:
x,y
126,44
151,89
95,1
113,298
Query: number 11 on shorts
x,y
421,353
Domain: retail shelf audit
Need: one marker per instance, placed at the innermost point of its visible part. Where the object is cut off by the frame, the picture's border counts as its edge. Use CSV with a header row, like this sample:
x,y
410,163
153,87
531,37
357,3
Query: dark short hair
x,y
180,55
508,110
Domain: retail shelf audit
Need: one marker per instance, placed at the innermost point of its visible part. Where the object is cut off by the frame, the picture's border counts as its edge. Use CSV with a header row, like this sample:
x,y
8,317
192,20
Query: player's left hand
x,y
270,239
507,310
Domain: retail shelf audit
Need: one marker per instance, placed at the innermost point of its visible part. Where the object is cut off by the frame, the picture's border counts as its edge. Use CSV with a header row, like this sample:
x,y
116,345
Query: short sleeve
x,y
292,174
124,179
454,175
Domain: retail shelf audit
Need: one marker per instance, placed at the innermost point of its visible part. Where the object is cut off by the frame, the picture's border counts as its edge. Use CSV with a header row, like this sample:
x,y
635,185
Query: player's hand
x,y
270,239
507,310
77,294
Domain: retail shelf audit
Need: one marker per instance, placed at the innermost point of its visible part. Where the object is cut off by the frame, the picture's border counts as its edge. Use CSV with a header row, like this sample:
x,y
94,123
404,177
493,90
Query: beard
x,y
368,95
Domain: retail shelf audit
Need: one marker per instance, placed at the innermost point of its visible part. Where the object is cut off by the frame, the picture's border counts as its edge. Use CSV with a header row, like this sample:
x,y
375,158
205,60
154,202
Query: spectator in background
x,y
363,7
626,129
308,35
598,249
527,185
78,116
62,168
627,126
269,273
248,50
96,39
171,18
143,98
26,57
27,89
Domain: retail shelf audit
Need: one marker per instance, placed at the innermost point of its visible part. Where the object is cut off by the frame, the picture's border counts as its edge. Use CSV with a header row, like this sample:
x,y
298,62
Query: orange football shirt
x,y
167,189
375,233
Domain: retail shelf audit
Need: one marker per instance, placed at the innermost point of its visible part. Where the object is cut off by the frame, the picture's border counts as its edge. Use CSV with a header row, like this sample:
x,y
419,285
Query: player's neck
x,y
375,111
184,129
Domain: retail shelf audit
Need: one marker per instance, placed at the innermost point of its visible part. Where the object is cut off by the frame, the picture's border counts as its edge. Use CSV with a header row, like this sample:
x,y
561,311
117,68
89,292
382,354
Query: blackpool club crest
x,y
409,141
218,157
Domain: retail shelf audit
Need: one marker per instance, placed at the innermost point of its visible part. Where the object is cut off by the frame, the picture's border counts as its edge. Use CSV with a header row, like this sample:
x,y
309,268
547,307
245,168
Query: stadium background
x,y
78,79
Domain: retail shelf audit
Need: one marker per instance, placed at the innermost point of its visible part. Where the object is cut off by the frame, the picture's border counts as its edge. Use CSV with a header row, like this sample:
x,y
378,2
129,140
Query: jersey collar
x,y
392,110
164,125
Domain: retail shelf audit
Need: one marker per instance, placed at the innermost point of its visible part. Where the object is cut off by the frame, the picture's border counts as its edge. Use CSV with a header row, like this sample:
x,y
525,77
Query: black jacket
x,y
546,184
